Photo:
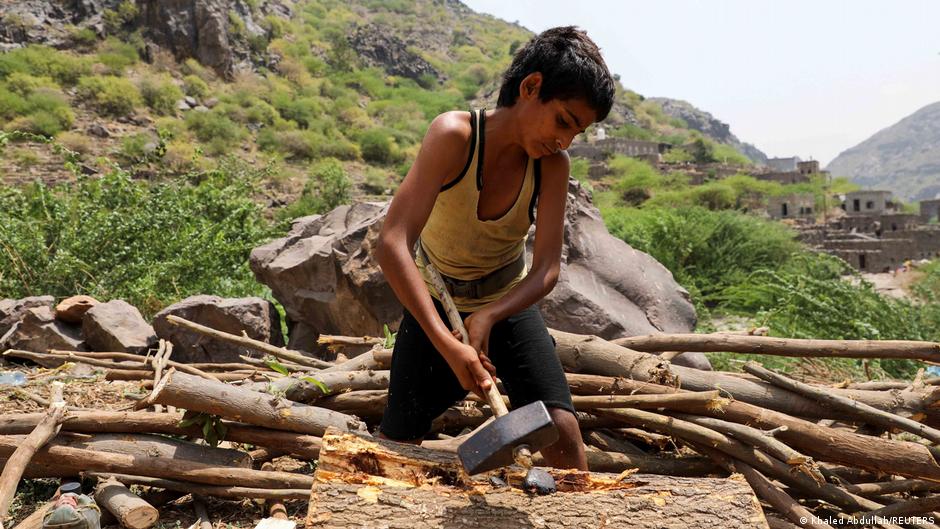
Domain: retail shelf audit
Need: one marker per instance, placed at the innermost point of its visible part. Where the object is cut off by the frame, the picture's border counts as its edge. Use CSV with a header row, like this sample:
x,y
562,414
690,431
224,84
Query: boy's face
x,y
550,126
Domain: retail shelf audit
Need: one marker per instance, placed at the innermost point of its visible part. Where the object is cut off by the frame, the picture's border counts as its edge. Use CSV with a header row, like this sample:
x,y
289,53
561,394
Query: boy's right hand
x,y
464,361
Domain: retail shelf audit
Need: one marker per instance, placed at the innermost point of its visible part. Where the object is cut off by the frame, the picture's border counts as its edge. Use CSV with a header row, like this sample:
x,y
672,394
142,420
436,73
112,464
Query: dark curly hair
x,y
571,67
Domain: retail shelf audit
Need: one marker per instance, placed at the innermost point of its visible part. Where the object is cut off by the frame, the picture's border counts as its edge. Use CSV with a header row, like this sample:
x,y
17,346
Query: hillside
x,y
903,158
163,89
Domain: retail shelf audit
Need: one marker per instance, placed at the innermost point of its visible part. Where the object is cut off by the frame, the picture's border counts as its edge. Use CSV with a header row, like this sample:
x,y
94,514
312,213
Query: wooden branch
x,y
858,409
721,342
673,401
57,359
331,339
149,445
249,343
218,491
79,460
911,508
127,507
157,363
298,390
192,369
240,404
16,463
202,513
127,374
291,366
304,446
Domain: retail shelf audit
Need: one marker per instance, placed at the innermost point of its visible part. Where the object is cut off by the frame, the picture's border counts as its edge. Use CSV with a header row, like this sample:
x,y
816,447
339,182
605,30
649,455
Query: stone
x,y
98,130
324,275
191,101
211,102
378,47
13,310
191,29
257,317
39,331
72,309
201,108
182,105
117,326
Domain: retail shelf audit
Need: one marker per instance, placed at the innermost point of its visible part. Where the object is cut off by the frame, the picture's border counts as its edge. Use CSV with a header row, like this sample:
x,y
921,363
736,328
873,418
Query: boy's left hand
x,y
478,327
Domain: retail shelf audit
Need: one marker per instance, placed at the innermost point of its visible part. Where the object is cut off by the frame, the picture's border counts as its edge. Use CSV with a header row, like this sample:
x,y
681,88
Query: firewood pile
x,y
668,446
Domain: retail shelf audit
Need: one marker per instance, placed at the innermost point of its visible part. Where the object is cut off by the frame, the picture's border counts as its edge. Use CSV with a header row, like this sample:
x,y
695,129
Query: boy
x,y
469,200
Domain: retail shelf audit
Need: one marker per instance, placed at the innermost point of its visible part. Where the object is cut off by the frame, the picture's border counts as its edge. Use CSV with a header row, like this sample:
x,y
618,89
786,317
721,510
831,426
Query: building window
x,y
861,261
870,205
783,210
856,205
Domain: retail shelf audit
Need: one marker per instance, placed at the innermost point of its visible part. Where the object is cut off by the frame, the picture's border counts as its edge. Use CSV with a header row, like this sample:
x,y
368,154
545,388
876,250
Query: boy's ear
x,y
530,86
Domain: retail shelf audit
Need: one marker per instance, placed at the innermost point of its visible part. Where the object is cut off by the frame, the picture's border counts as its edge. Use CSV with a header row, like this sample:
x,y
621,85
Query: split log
x,y
363,362
218,491
127,507
590,354
304,446
722,342
240,404
858,409
245,341
23,452
405,485
80,460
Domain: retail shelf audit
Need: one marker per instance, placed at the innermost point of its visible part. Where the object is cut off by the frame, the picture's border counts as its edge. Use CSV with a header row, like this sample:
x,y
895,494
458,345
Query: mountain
x,y
903,158
708,125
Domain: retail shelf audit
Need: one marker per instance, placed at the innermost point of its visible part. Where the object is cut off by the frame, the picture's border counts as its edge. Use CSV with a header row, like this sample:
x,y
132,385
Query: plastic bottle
x,y
12,378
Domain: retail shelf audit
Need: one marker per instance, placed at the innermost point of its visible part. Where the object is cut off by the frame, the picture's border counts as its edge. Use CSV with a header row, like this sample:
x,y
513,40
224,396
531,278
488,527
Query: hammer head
x,y
492,447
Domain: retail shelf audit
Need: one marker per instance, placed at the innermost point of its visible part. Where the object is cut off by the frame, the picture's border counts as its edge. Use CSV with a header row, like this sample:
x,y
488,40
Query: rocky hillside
x,y
708,125
903,158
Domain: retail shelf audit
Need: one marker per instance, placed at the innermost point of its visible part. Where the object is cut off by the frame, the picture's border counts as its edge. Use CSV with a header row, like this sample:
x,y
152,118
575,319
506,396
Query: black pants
x,y
423,386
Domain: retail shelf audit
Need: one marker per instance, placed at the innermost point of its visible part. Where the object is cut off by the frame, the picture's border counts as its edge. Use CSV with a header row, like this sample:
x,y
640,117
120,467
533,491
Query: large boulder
x,y
39,331
324,275
117,326
13,310
257,317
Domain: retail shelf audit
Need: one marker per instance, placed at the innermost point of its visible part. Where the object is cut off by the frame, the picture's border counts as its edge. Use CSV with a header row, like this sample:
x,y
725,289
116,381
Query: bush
x,y
150,244
160,94
44,111
140,147
110,95
76,141
306,144
214,126
376,146
194,86
327,186
117,55
43,61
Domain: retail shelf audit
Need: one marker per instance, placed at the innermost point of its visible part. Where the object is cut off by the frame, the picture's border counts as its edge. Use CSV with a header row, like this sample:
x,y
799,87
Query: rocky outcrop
x,y
39,331
256,317
324,276
117,326
708,125
379,48
50,23
13,310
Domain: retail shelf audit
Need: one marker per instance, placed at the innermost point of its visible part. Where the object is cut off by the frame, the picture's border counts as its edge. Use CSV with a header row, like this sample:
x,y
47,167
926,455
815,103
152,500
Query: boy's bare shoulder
x,y
451,128
558,163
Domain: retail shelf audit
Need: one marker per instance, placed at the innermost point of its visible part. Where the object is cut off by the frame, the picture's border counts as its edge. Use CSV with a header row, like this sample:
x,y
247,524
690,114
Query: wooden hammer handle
x,y
456,322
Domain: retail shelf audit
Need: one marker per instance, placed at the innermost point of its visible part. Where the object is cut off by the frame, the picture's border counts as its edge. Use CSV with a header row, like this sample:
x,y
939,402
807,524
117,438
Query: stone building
x,y
868,202
795,206
784,178
600,150
783,165
930,210
808,168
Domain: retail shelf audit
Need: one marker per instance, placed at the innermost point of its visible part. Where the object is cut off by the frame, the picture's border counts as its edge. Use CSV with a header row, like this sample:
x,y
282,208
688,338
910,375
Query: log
x,y
407,486
240,404
192,369
147,445
133,374
202,513
858,409
22,453
218,491
244,341
127,507
593,355
258,362
722,342
57,359
80,460
299,390
304,446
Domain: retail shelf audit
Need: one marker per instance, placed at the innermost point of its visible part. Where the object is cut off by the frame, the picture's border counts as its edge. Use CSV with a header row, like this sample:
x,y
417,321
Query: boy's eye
x,y
561,122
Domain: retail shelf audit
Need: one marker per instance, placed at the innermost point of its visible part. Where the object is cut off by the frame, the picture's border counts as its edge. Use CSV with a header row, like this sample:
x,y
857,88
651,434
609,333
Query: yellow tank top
x,y
464,247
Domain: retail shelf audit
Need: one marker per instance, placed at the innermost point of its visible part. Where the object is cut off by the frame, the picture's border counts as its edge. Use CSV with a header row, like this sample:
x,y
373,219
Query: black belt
x,y
482,286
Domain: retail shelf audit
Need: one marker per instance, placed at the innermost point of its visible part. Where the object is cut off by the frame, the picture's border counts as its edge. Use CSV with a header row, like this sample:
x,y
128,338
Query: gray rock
x,y
191,101
256,316
191,29
117,326
201,108
211,102
324,276
182,105
378,47
13,310
98,130
39,331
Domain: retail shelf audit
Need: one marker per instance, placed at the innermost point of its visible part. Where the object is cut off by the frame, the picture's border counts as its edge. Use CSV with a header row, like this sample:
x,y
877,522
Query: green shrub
x,y
194,86
84,38
327,186
43,61
306,144
116,19
25,84
160,93
376,146
140,147
150,244
117,55
44,111
214,126
110,95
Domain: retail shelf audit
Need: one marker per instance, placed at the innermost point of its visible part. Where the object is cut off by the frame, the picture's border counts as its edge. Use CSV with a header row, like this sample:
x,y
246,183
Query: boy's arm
x,y
546,254
438,160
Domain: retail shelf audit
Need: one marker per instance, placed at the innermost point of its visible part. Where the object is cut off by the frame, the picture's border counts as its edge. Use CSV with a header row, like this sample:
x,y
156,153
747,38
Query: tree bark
x,y
299,390
146,445
218,491
130,510
240,404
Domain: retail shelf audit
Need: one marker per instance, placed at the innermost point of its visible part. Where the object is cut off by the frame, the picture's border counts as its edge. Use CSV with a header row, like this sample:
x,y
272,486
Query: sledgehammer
x,y
513,435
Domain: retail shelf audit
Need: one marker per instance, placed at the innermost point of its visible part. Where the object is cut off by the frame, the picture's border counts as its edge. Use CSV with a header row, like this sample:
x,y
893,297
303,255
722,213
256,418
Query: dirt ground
x,y
84,388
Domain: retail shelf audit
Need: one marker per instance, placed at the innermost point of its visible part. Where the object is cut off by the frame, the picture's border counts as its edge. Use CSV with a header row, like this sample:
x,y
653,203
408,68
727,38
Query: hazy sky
x,y
794,77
